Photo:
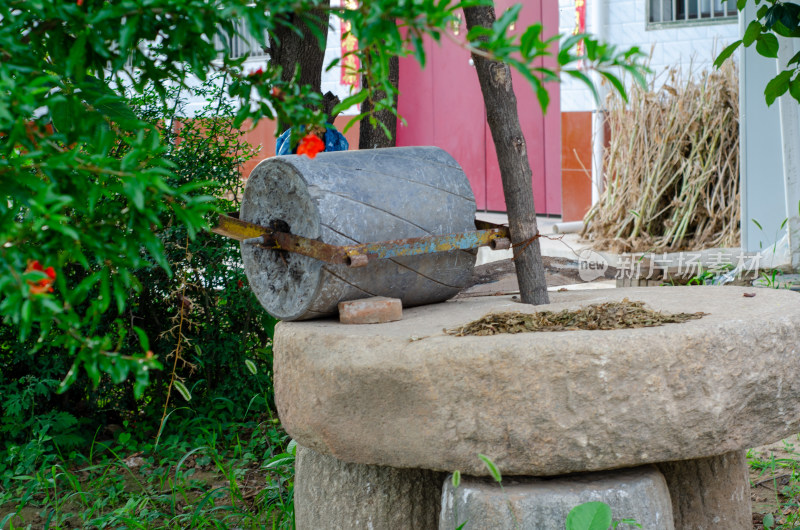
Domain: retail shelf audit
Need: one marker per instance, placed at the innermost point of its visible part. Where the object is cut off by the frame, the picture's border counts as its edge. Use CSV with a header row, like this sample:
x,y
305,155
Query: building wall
x,y
691,46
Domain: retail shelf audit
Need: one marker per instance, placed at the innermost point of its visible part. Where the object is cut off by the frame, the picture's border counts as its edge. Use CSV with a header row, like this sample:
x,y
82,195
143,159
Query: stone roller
x,y
354,198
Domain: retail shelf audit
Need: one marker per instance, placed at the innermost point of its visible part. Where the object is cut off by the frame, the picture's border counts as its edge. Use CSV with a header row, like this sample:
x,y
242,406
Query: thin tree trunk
x,y
515,171
304,52
373,137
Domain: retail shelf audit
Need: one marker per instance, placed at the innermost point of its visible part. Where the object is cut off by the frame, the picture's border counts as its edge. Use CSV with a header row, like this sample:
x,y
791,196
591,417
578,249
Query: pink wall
x,y
443,106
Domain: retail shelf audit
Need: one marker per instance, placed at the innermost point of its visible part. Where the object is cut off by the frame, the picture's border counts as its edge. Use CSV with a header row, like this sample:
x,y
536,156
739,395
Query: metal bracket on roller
x,y
495,236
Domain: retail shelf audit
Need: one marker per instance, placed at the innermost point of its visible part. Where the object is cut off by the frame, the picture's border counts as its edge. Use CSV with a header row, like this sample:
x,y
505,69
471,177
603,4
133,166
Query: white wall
x,y
694,45
331,78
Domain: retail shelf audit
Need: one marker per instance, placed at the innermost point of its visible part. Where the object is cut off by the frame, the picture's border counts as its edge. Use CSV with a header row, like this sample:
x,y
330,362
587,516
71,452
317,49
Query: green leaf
x,y
77,58
727,52
772,16
794,88
589,516
105,291
541,92
777,86
740,4
63,114
143,340
566,45
616,83
577,74
251,366
182,390
70,378
493,470
456,478
292,448
529,38
767,45
751,33
758,224
348,102
500,26
106,101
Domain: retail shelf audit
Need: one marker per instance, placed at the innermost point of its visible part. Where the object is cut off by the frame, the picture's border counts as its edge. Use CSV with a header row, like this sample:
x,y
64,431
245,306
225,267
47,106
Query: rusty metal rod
x,y
359,255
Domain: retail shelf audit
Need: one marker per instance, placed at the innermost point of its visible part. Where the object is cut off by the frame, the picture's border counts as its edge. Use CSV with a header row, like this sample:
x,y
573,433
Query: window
x,y
241,45
662,12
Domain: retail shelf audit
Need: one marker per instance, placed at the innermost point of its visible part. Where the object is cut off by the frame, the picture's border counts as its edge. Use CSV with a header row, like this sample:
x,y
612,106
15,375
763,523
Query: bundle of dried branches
x,y
672,167
610,315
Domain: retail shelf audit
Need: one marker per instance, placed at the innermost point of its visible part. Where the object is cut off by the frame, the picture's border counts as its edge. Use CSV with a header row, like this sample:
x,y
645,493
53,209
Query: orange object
x,y
310,145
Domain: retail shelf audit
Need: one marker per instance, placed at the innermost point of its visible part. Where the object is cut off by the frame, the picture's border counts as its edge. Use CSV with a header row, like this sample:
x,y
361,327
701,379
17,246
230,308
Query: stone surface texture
x,y
406,395
352,197
710,493
376,310
543,504
332,494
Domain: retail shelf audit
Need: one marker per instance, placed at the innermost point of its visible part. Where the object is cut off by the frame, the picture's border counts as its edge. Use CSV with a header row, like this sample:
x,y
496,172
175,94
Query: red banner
x,y
350,63
580,23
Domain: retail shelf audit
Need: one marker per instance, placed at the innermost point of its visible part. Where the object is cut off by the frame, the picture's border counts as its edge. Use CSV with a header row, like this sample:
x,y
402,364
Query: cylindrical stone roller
x,y
348,198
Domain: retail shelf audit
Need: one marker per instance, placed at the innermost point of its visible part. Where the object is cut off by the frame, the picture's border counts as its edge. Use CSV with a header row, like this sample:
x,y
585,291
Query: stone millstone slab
x,y
526,503
404,394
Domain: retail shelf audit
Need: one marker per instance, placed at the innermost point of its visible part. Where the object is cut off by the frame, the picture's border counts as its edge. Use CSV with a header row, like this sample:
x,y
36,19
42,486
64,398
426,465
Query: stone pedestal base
x,y
700,494
543,504
329,493
710,493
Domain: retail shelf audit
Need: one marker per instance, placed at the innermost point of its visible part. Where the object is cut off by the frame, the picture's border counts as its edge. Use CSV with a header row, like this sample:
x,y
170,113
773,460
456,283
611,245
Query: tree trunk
x,y
304,52
373,137
515,171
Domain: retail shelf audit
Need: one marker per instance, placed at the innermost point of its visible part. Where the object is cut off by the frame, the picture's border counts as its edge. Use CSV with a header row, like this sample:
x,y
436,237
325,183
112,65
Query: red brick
x,y
374,310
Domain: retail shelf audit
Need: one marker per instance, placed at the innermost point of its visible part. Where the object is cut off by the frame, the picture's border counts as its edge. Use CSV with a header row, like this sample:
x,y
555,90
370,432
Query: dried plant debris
x,y
671,167
610,315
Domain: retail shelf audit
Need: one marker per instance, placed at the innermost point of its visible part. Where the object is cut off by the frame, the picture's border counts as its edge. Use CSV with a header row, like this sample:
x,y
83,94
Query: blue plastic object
x,y
334,141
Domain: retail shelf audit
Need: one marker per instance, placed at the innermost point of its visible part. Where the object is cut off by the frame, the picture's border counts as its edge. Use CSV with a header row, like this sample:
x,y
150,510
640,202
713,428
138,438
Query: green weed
x,y
775,482
206,472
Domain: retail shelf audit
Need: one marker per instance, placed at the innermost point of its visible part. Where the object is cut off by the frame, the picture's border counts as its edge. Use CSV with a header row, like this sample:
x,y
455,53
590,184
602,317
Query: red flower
x,y
278,94
254,73
80,2
310,145
43,285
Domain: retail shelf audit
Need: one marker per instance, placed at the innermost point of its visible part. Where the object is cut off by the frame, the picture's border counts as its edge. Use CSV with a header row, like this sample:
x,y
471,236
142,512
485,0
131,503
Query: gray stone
x,y
332,494
406,395
710,493
352,197
543,504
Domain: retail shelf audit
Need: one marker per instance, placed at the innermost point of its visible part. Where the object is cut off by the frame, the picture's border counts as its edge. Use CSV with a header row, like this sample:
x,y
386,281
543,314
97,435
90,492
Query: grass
x,y
775,485
206,473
